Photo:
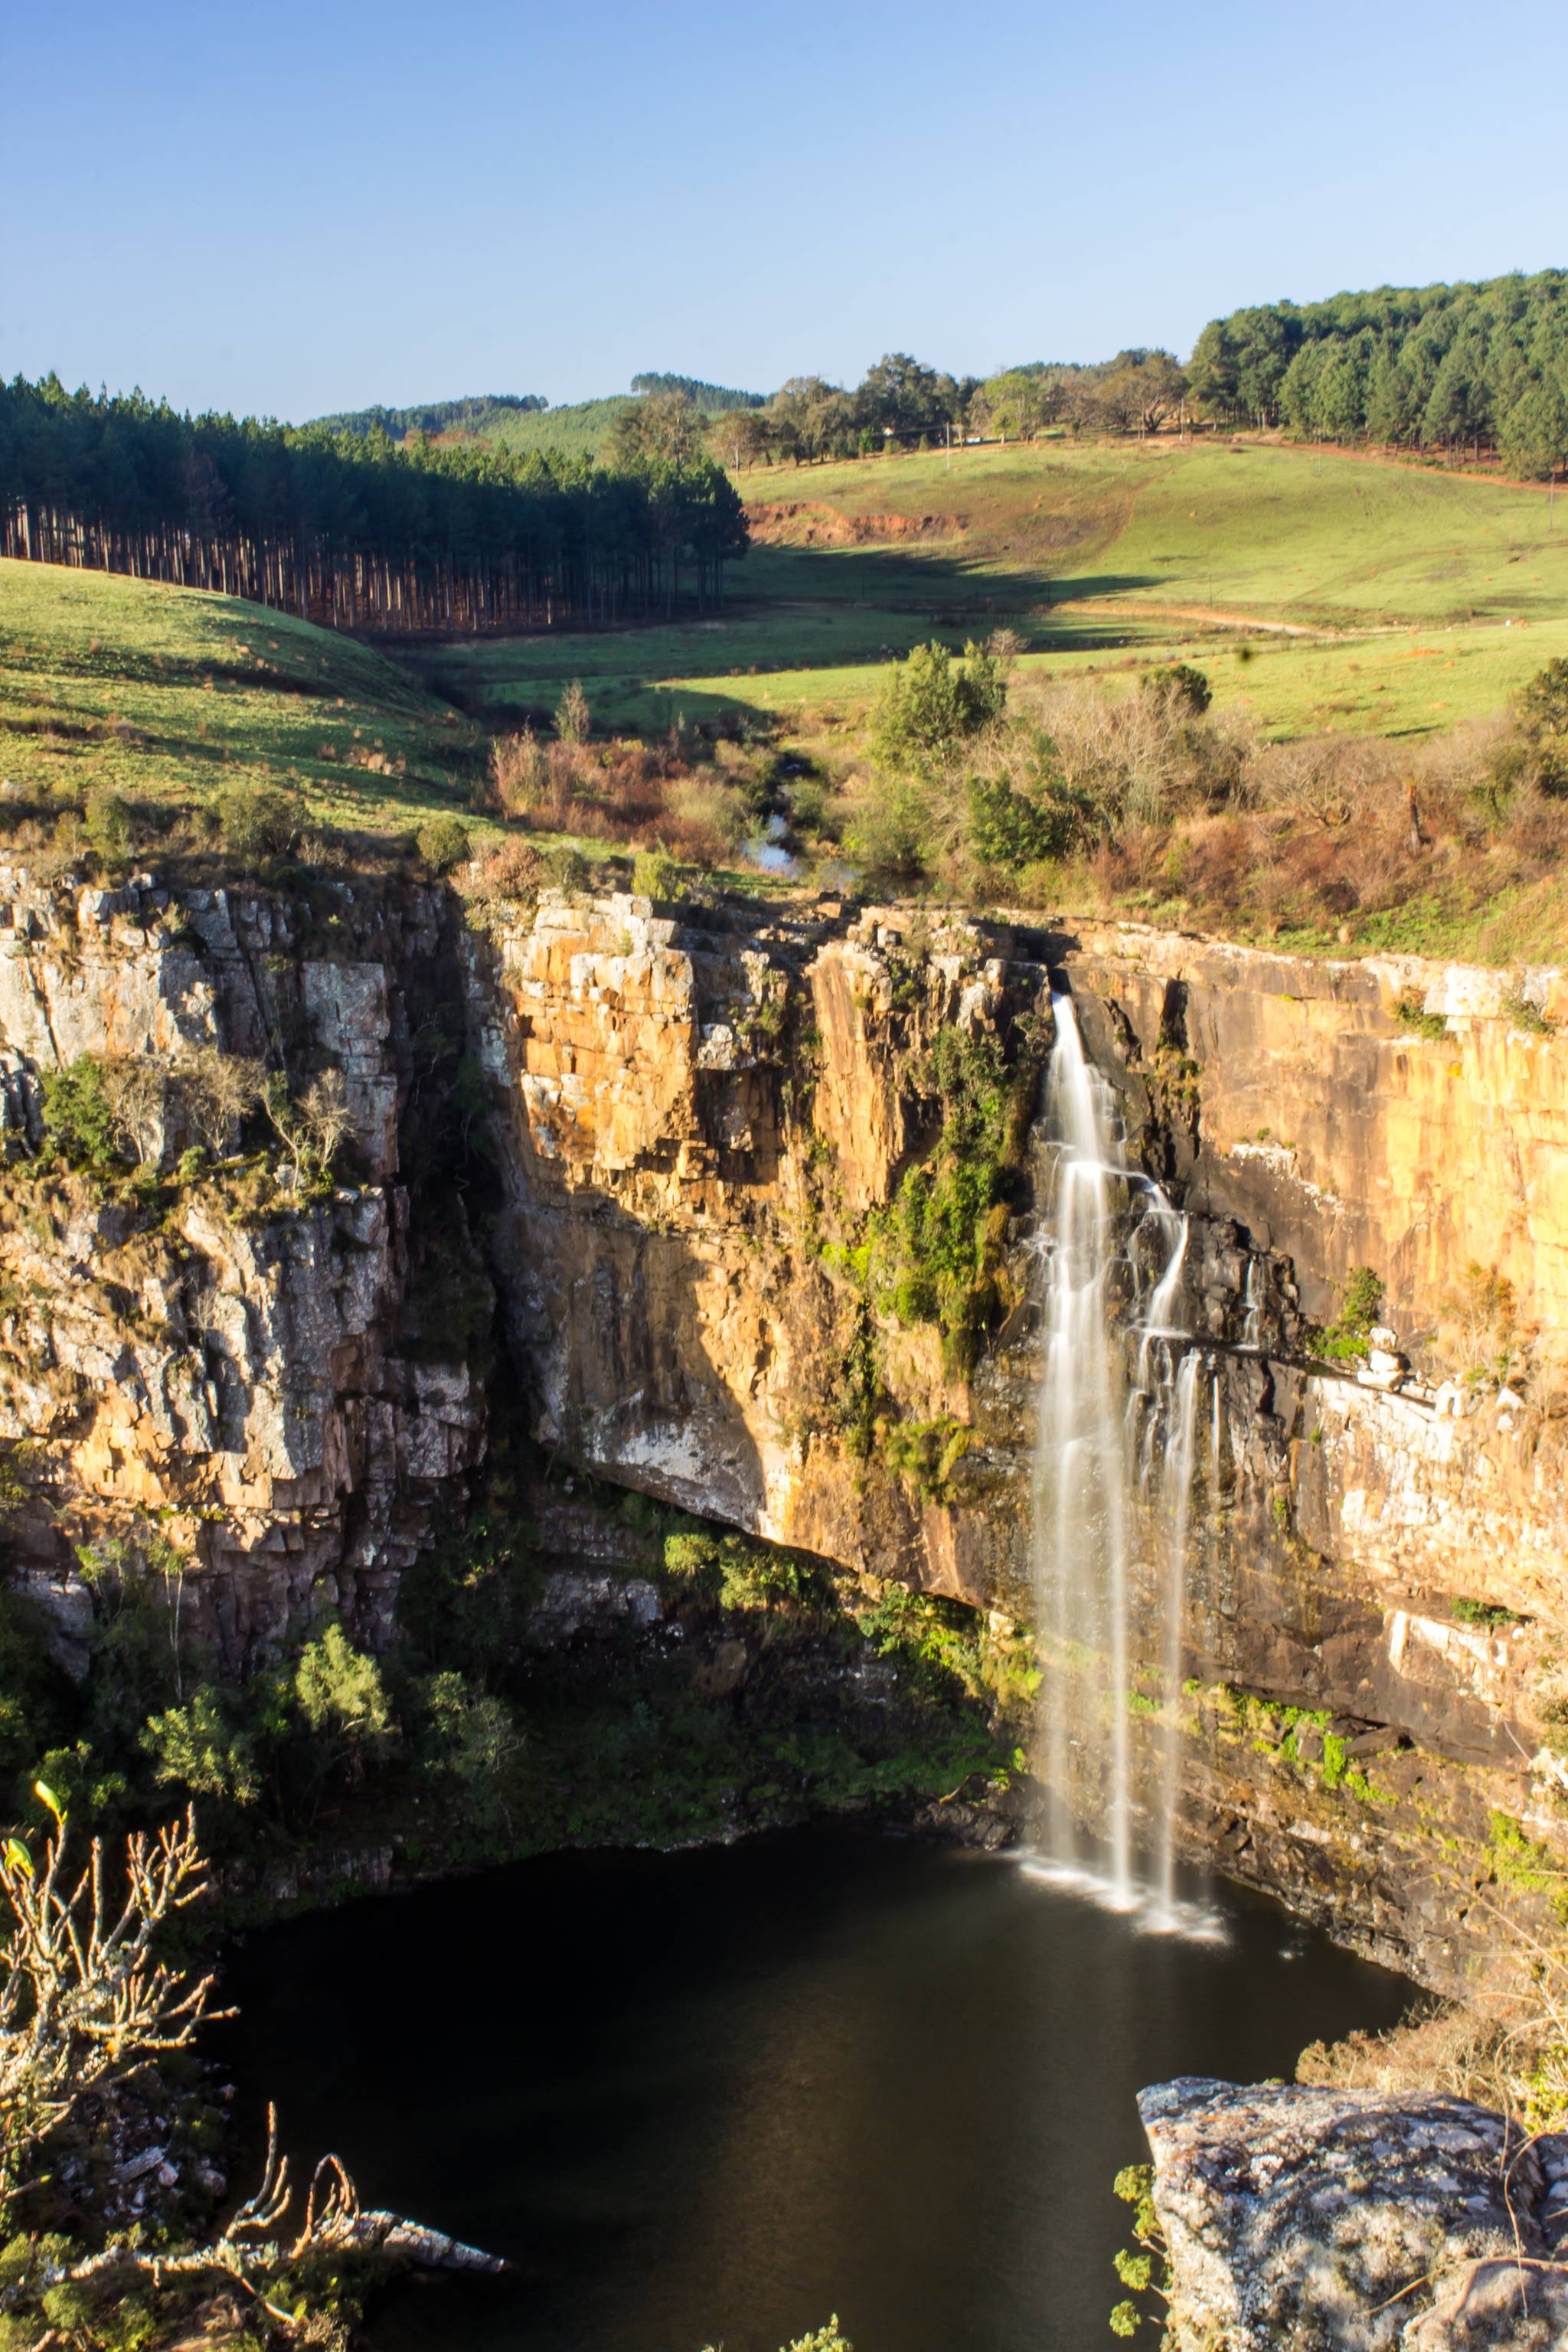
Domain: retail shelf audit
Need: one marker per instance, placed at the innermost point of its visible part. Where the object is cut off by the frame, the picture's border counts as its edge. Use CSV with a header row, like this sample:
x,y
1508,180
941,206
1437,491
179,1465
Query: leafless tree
x,y
136,1090
216,1091
84,2003
313,1127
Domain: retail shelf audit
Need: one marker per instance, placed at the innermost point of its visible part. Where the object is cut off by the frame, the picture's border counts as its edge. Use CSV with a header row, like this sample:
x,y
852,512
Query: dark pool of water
x,y
712,2098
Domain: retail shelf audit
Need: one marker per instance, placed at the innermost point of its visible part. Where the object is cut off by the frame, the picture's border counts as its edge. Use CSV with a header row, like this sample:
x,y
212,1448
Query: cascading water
x,y
1115,1460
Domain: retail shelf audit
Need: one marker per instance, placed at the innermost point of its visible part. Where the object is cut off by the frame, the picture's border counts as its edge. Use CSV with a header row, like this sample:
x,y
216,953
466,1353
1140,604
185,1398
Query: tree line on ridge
x,y
356,531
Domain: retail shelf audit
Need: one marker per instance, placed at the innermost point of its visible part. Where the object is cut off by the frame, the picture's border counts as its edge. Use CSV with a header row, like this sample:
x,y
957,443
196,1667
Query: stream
x,y
714,2096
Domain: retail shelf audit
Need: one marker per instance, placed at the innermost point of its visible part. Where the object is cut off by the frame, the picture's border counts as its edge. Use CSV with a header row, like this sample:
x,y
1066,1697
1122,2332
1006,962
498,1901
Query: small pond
x,y
712,2097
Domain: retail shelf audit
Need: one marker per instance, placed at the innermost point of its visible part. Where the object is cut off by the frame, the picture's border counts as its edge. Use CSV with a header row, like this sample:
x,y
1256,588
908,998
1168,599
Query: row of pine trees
x,y
1466,367
357,532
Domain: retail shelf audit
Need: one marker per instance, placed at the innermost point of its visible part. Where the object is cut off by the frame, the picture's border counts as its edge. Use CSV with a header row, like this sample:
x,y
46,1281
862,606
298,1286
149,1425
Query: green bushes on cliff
x,y
1346,1339
934,1255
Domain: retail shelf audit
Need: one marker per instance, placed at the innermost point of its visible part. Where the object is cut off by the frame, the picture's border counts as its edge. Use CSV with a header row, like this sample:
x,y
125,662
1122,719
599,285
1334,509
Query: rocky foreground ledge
x,y
1356,2221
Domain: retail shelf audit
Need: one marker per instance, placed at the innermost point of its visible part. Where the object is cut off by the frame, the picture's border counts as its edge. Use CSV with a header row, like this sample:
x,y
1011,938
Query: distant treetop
x,y
714,399
470,415
1481,366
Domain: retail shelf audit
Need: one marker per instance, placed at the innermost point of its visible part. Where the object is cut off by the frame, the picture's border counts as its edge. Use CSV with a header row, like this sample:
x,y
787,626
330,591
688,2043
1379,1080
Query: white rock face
x,y
239,1379
1356,2221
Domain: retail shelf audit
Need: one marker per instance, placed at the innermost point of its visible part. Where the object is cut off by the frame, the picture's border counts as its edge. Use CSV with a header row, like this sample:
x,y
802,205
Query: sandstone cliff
x,y
699,1122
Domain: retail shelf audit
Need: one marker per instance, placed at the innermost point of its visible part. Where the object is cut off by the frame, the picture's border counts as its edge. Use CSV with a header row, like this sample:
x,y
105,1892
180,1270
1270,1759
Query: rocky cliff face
x,y
212,1358
702,1126
703,1117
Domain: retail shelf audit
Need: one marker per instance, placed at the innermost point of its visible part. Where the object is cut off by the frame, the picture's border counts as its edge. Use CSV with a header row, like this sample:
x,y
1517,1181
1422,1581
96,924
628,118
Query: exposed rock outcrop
x,y
245,1373
703,1115
699,1122
1356,2221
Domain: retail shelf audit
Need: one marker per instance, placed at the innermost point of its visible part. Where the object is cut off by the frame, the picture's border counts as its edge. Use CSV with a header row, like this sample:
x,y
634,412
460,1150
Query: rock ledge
x,y
1357,2221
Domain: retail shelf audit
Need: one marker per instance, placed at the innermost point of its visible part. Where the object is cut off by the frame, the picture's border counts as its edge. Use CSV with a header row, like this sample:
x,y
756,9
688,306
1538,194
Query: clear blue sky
x,y
293,208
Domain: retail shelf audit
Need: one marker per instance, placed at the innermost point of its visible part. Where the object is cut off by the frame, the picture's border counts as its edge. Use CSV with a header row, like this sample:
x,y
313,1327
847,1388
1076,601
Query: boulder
x,y
1354,2222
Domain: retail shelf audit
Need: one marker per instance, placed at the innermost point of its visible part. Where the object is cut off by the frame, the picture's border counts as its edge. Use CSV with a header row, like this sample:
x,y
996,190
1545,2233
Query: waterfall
x,y
1115,1459
1176,1489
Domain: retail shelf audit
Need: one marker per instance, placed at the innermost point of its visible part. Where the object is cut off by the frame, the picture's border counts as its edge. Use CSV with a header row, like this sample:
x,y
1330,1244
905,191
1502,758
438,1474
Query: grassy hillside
x,y
169,694
1284,532
580,430
1096,555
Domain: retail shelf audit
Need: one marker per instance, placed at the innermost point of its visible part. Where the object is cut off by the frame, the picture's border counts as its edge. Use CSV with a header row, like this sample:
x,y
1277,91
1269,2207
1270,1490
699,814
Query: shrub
x,y
79,1117
566,867
342,1699
932,705
655,875
1013,829
196,1746
443,844
1346,1336
1182,685
517,772
108,825
259,821
574,720
1543,723
1522,1013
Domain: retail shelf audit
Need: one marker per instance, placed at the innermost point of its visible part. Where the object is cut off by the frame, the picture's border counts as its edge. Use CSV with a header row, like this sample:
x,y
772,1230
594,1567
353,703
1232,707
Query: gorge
x,y
1003,1259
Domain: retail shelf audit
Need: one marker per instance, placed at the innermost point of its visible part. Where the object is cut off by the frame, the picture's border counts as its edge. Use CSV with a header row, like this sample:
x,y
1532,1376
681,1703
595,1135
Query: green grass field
x,y
1281,533
1321,593
168,693
1097,556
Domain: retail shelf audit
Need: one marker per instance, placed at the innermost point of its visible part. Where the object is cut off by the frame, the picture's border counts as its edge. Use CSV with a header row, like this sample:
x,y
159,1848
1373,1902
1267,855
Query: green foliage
x,y
932,705
567,865
444,843
472,1739
466,1601
1543,723
1522,1013
655,875
1431,1026
1179,684
78,1119
341,1692
1520,1861
1489,1613
1147,2271
1009,828
935,1254
926,1453
1345,1340
258,822
199,1749
937,1642
739,1575
109,826
128,462
1437,365
36,1698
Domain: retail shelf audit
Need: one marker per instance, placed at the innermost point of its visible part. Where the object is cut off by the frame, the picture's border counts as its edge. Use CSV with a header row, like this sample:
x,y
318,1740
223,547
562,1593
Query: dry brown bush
x,y
1440,2045
516,771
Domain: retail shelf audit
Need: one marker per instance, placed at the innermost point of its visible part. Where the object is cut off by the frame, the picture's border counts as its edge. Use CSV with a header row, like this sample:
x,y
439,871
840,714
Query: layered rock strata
x,y
240,1372
698,1121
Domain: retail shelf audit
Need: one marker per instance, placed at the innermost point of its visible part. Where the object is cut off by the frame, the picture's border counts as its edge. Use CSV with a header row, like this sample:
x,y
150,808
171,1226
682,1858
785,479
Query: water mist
x,y
1116,1456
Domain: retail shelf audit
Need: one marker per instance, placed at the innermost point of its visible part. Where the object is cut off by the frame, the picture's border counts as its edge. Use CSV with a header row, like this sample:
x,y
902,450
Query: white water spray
x,y
1114,1466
